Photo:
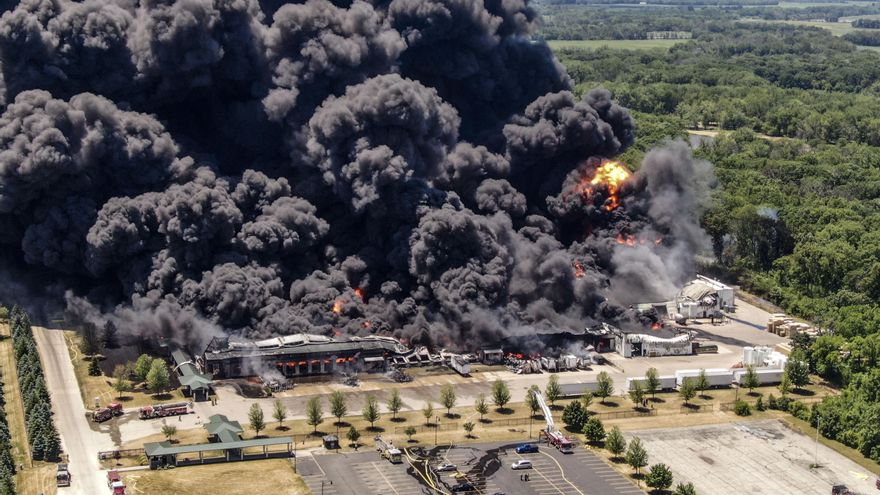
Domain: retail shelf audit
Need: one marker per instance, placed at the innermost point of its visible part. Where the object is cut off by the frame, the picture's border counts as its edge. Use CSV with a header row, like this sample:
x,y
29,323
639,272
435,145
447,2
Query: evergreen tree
x,y
750,379
111,340
94,367
659,477
52,444
91,343
574,416
594,431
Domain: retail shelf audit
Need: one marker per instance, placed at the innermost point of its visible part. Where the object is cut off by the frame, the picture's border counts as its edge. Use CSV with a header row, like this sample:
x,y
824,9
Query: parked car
x,y
840,490
527,448
445,467
522,464
463,487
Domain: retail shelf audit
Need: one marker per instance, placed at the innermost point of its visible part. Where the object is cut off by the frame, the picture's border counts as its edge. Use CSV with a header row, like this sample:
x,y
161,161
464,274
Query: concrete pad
x,y
755,457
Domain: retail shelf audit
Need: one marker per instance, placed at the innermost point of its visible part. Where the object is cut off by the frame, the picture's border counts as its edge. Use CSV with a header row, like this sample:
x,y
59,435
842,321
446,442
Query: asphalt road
x,y
79,441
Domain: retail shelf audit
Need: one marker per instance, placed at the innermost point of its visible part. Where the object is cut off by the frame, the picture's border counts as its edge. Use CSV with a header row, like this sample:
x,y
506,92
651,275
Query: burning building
x,y
704,298
656,342
419,169
300,355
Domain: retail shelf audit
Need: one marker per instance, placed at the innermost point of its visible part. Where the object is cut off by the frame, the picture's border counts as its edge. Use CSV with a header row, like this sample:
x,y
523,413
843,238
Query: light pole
x,y
816,455
436,428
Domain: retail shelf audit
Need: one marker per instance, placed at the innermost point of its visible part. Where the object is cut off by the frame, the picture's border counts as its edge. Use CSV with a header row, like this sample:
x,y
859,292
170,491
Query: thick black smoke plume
x,y
416,168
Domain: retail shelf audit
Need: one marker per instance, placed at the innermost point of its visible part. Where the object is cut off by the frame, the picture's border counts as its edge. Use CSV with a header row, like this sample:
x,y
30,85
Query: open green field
x,y
618,44
803,5
836,28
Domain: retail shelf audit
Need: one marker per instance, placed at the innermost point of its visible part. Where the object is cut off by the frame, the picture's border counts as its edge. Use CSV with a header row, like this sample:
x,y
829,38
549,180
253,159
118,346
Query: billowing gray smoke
x,y
418,168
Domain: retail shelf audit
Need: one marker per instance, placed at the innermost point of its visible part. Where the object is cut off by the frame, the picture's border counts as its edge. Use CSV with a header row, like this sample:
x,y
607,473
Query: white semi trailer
x,y
765,376
718,377
667,382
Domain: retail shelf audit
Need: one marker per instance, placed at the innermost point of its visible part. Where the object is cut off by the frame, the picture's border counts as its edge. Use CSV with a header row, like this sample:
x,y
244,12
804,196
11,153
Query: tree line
x,y
42,436
7,463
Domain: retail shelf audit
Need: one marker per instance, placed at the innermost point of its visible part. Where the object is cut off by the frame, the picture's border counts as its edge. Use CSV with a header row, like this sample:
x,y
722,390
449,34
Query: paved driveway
x,y
78,440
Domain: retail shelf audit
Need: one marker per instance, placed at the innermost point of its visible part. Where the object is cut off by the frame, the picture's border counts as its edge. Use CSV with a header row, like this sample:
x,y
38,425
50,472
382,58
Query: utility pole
x,y
816,455
436,428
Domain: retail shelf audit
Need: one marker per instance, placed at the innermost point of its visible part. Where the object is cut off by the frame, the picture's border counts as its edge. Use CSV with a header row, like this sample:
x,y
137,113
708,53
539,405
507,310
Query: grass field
x,y
238,478
618,44
37,476
101,386
836,28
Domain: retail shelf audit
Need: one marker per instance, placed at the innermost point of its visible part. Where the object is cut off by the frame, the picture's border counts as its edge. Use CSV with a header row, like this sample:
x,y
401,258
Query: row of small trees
x,y
7,463
42,435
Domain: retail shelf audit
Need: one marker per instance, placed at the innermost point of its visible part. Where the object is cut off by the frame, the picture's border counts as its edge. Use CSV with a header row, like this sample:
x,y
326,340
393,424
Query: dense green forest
x,y
796,216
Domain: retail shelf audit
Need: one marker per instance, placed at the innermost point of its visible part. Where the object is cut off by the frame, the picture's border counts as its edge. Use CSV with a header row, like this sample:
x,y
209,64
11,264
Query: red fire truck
x,y
163,410
105,413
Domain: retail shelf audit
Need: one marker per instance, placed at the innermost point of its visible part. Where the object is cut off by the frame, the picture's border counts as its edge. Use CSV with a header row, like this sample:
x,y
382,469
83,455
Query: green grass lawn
x,y
618,44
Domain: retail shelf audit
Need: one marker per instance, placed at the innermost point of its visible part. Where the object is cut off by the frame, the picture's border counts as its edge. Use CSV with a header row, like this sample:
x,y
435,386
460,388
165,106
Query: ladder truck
x,y
163,410
388,450
554,436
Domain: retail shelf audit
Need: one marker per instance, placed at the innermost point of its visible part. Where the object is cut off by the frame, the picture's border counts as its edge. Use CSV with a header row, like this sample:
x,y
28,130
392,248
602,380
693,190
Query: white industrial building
x,y
653,343
703,298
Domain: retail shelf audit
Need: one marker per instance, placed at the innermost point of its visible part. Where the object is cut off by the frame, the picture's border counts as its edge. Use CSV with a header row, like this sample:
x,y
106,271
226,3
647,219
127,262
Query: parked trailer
x,y
667,382
460,365
578,389
765,376
718,377
163,410
548,364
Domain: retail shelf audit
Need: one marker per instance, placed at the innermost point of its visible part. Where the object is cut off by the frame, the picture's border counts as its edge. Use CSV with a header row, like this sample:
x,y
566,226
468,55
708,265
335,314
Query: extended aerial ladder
x,y
554,436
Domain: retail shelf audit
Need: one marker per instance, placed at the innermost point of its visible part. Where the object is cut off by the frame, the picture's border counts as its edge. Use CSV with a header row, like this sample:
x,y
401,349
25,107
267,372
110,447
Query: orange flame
x,y
656,326
627,240
360,293
579,270
366,324
612,175
337,306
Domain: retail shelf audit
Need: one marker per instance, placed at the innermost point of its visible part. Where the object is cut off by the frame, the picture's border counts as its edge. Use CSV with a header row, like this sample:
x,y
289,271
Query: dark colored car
x,y
463,487
527,448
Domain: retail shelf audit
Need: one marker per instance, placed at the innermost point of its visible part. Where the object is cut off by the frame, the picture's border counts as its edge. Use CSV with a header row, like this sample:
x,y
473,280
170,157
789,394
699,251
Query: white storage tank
x,y
748,355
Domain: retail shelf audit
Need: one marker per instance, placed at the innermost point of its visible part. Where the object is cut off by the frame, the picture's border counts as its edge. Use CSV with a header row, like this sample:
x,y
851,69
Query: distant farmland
x,y
618,44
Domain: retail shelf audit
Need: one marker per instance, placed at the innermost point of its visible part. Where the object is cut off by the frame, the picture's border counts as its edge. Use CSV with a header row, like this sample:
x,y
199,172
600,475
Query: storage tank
x,y
748,355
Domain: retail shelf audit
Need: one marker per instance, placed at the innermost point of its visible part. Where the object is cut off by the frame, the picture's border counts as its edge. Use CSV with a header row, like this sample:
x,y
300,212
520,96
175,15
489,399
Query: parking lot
x,y
757,457
486,466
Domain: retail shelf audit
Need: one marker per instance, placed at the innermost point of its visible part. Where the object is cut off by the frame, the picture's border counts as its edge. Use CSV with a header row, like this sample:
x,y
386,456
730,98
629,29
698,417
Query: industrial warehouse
x,y
300,355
